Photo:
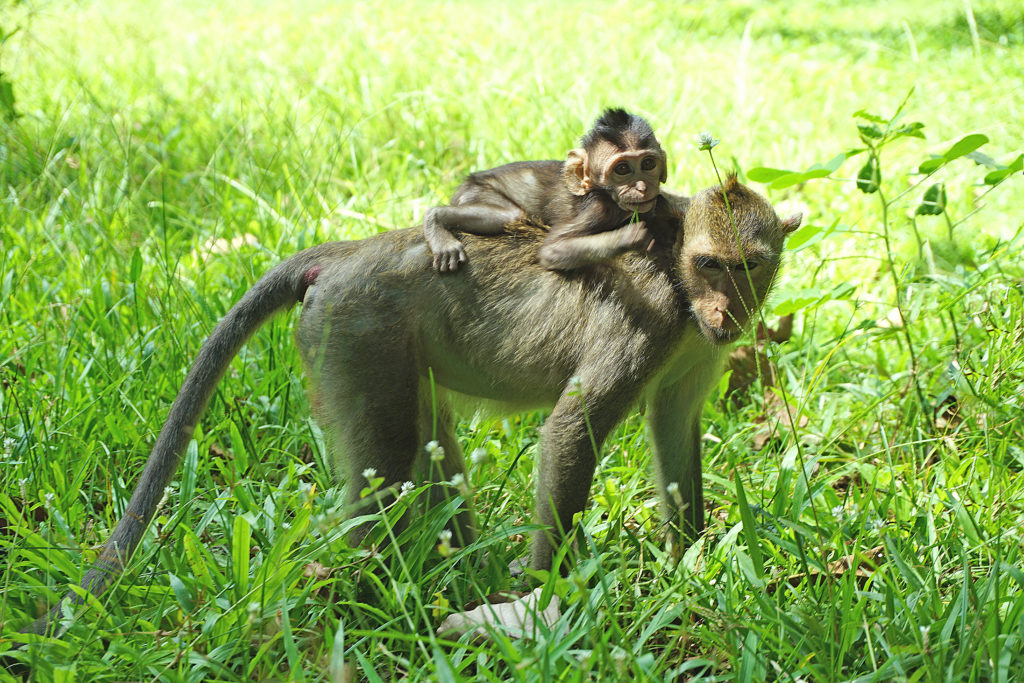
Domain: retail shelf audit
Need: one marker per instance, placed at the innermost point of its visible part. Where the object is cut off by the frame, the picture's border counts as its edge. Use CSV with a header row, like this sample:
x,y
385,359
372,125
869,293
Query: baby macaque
x,y
601,201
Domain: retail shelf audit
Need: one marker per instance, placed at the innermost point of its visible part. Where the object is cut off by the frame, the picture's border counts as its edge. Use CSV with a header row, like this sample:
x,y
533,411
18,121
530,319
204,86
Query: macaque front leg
x,y
570,439
566,252
673,423
477,219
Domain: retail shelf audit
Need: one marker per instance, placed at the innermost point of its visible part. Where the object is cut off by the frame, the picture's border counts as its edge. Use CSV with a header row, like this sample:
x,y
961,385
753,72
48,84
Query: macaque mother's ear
x,y
791,223
576,170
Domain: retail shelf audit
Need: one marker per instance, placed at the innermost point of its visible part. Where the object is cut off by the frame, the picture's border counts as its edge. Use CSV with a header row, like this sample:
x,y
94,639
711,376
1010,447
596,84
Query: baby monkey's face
x,y
632,177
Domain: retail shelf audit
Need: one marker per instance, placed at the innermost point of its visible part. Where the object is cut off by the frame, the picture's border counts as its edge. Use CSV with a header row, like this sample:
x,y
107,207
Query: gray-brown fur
x,y
377,320
589,211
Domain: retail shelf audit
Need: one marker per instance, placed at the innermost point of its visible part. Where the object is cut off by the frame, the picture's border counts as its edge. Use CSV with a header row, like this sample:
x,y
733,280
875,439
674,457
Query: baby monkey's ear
x,y
577,172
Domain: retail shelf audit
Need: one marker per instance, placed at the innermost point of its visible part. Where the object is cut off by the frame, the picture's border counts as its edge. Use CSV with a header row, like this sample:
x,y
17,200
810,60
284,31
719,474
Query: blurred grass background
x,y
164,154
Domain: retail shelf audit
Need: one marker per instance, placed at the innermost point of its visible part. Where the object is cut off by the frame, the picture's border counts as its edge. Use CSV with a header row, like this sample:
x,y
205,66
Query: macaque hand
x,y
637,236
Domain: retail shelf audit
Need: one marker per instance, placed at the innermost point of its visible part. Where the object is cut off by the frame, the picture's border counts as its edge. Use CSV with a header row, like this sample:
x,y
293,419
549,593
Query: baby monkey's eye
x,y
648,164
622,168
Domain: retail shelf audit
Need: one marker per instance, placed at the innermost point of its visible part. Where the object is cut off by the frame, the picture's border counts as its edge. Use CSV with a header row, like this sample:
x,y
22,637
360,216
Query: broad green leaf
x,y
749,530
762,174
7,110
241,455
966,522
336,664
983,159
136,266
843,290
281,549
795,302
803,236
810,234
778,178
787,180
65,674
911,130
189,472
241,537
835,162
366,668
291,648
933,203
800,298
965,145
961,147
198,560
748,567
181,592
998,176
864,114
869,177
869,132
933,164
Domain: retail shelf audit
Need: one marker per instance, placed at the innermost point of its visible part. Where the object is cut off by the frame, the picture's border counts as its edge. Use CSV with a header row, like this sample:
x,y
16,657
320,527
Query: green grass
x,y
881,539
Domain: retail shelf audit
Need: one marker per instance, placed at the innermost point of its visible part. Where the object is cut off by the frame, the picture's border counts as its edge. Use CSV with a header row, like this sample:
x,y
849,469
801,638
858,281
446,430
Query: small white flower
x,y
478,456
437,455
405,488
445,545
706,141
838,512
432,446
369,473
459,482
673,490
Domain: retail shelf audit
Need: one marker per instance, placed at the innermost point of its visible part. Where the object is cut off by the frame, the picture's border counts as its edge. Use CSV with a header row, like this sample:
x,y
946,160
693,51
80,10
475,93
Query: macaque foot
x,y
517,617
517,567
448,258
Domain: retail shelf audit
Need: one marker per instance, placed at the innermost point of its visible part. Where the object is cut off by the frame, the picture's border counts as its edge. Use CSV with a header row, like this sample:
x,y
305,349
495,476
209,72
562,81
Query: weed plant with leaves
x,y
892,540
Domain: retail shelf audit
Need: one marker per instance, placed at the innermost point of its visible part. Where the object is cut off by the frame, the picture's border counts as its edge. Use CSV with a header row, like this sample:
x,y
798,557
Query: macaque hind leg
x,y
369,416
477,218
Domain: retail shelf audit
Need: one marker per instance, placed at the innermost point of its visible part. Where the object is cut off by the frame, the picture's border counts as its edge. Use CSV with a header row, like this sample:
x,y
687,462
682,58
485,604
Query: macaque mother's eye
x,y
622,168
648,164
707,263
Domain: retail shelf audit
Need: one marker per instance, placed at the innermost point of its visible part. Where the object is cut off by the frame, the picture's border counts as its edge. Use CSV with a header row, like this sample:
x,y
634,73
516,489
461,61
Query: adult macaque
x,y
378,323
601,201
